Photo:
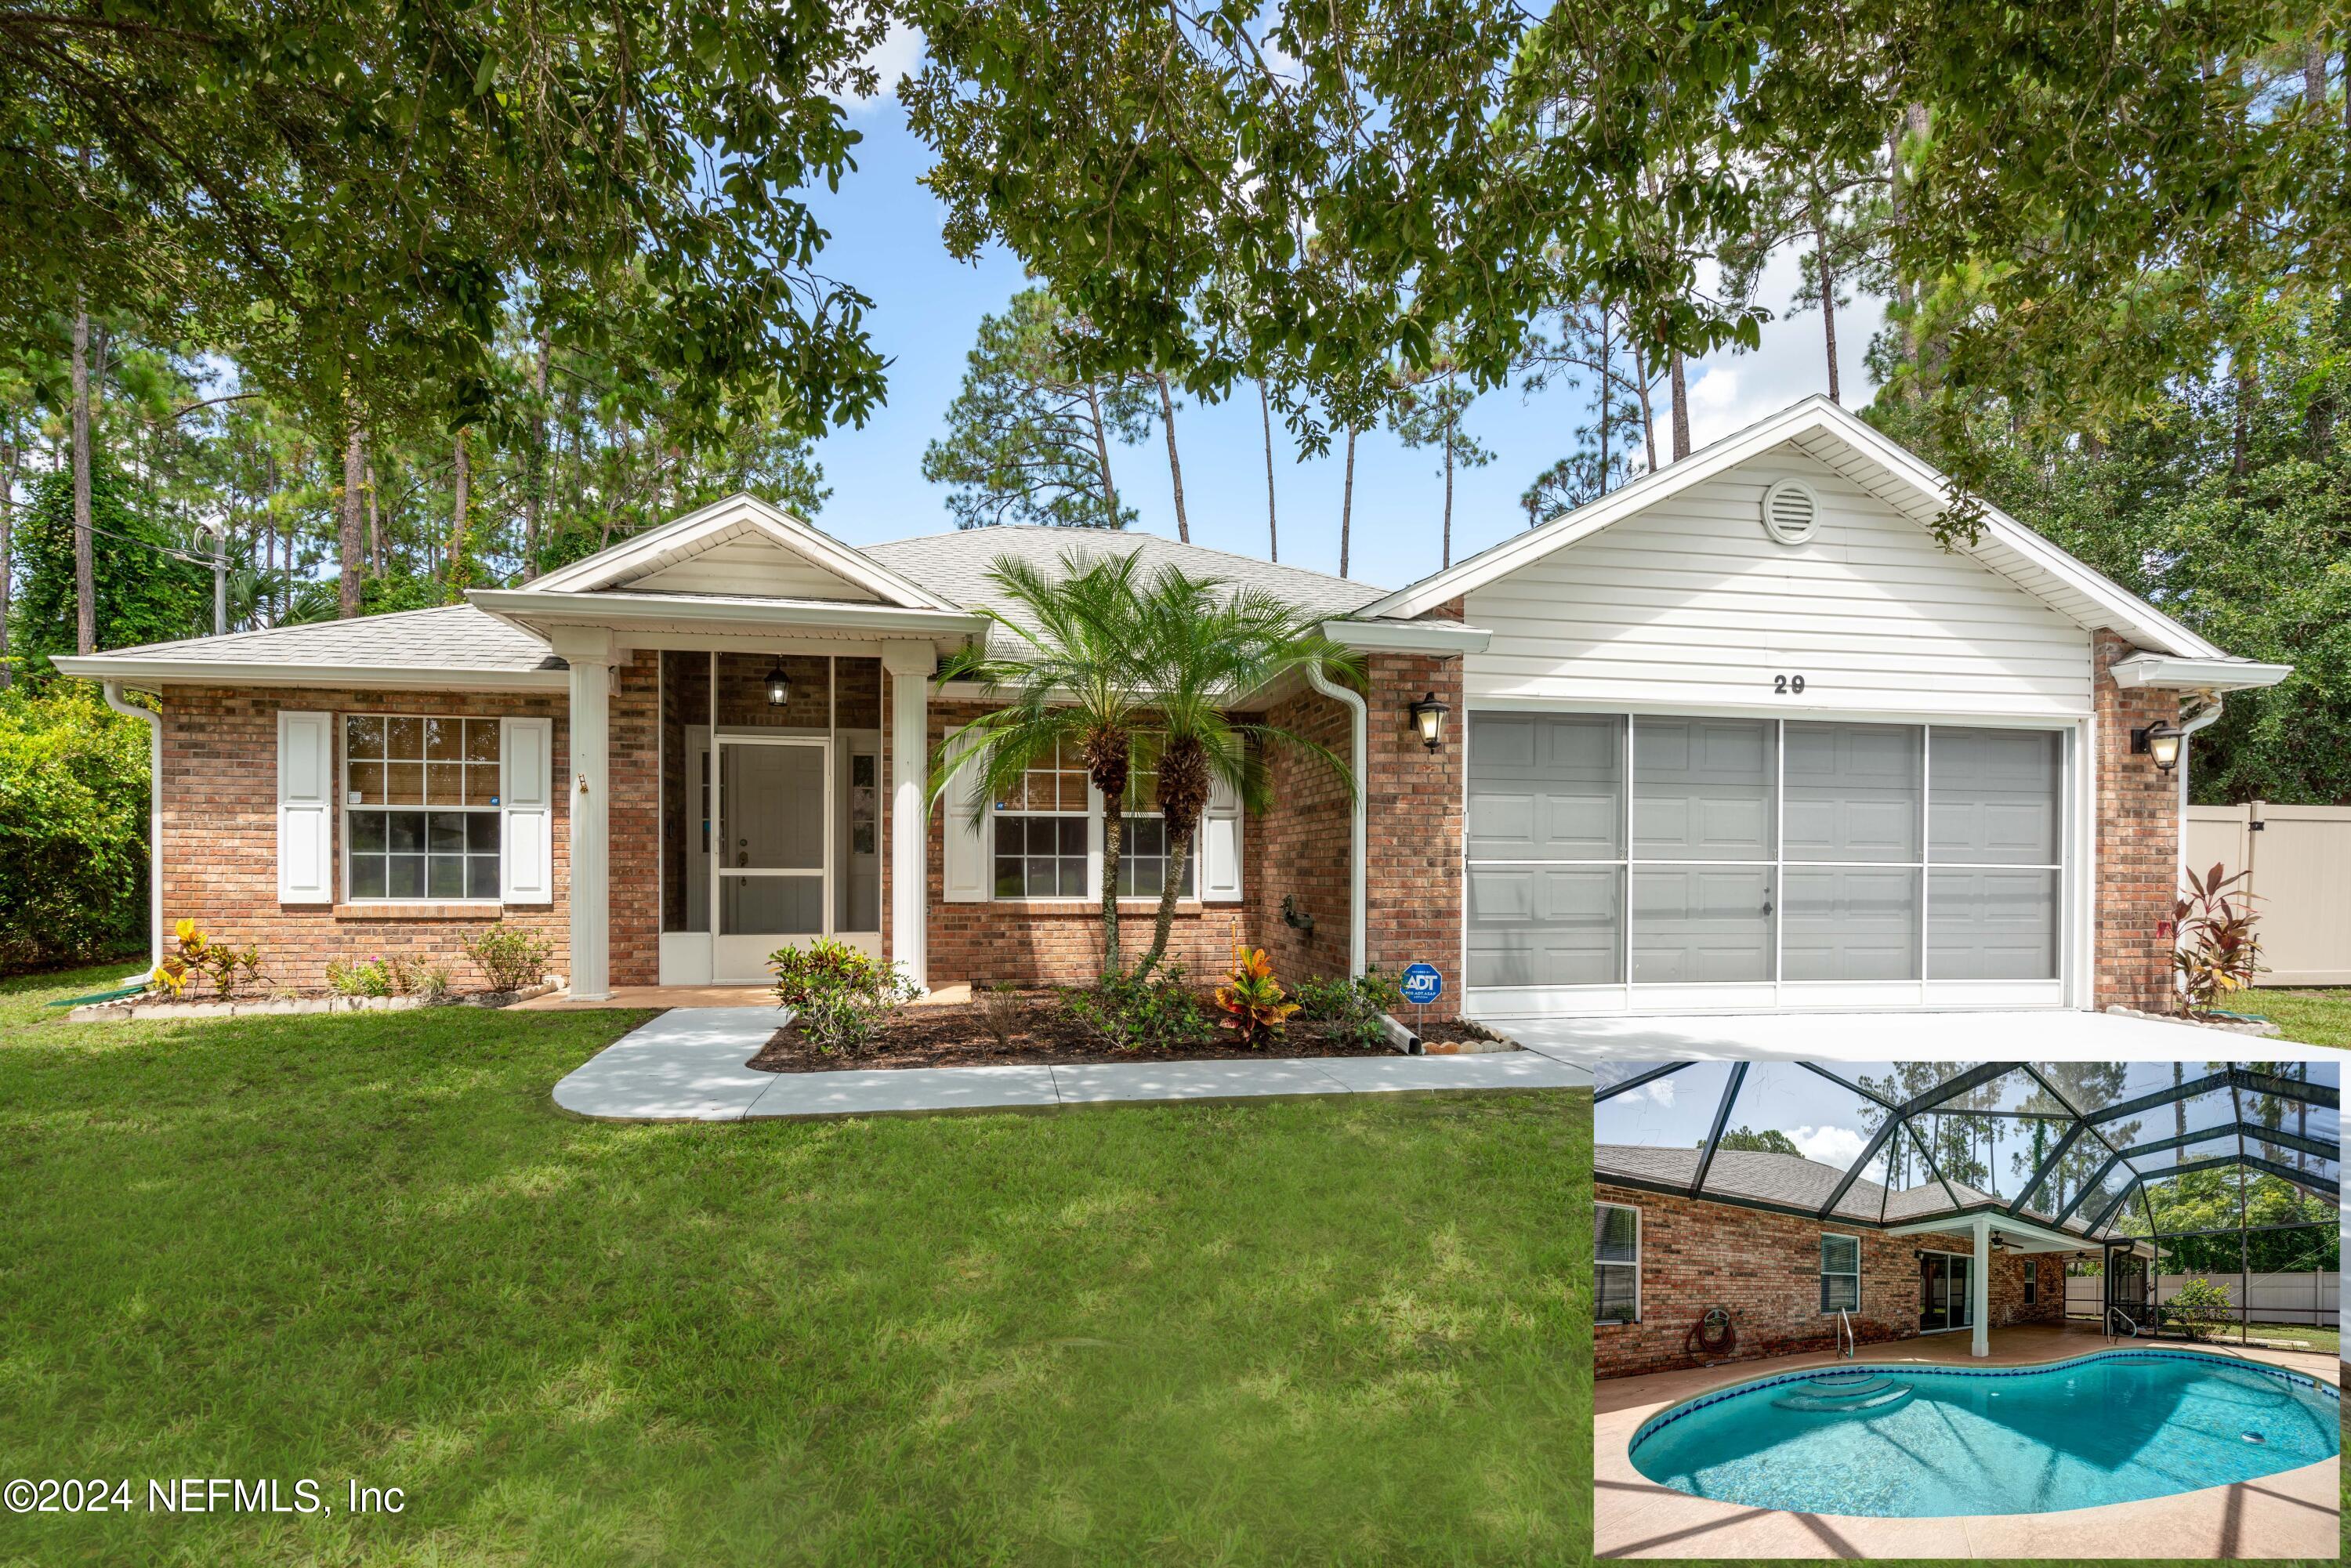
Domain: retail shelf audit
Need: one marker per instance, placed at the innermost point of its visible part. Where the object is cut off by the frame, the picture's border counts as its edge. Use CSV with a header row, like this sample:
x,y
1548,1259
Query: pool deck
x,y
2295,1514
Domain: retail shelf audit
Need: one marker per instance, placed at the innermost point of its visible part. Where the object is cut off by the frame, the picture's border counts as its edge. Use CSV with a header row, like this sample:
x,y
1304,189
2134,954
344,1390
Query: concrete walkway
x,y
687,1066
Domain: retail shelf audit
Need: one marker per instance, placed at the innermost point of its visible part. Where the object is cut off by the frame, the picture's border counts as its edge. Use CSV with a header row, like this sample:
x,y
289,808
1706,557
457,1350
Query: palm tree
x,y
1074,684
1202,651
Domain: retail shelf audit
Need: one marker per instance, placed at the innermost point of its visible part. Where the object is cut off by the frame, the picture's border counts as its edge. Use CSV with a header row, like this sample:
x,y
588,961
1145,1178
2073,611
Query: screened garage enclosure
x,y
1669,863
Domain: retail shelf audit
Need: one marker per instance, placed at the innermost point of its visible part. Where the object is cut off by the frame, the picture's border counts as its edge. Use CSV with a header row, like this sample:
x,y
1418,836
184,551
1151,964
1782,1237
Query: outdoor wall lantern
x,y
1428,718
2161,741
779,685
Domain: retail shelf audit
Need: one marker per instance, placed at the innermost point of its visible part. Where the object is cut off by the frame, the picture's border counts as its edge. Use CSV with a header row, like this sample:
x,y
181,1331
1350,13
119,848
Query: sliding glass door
x,y
1680,851
1944,1299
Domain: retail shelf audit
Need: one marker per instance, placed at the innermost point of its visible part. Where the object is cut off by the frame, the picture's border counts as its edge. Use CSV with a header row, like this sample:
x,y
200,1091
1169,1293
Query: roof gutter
x,y
532,611
2166,671
1440,637
229,673
154,723
1359,718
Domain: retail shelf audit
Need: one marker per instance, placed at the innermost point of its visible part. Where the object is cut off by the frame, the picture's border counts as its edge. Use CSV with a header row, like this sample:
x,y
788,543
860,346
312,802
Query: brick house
x,y
1738,736
1825,1205
1755,1247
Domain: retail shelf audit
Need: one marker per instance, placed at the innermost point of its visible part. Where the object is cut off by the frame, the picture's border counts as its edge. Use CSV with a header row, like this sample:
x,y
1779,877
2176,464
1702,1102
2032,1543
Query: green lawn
x,y
2314,1017
370,1247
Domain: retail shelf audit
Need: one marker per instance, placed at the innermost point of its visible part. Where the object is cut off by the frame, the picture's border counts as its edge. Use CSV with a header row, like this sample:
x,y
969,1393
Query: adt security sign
x,y
1422,984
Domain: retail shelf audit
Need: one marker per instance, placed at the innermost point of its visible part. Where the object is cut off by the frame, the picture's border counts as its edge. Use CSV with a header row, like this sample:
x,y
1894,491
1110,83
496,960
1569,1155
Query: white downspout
x,y
1360,716
2180,870
154,723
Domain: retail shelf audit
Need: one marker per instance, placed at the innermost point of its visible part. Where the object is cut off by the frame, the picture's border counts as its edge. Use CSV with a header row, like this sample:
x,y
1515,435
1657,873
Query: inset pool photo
x,y
1948,1310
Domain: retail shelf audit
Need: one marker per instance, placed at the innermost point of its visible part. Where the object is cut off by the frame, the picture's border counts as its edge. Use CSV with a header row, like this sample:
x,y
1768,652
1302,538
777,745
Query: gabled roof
x,y
1829,434
455,645
646,561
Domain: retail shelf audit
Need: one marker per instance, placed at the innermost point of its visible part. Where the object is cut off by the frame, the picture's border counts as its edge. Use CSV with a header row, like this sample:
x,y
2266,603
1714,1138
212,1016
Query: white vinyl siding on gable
x,y
1690,604
748,564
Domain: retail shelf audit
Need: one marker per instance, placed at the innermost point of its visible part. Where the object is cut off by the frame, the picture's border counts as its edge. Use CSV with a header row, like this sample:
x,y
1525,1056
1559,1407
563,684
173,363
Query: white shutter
x,y
1220,845
963,870
526,789
306,808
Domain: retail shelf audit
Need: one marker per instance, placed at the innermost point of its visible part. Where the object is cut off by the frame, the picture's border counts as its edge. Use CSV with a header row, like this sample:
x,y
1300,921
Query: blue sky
x,y
928,306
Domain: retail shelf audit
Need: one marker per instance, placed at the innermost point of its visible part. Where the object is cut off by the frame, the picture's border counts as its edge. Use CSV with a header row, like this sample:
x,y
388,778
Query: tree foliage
x,y
144,594
359,196
73,827
1029,435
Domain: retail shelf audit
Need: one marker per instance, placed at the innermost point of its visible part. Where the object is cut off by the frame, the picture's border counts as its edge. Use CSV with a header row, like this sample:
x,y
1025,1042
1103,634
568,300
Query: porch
x,y
2292,1514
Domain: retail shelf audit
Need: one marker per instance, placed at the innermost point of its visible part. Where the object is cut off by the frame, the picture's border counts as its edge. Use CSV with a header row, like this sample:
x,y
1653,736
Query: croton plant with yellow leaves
x,y
1255,1006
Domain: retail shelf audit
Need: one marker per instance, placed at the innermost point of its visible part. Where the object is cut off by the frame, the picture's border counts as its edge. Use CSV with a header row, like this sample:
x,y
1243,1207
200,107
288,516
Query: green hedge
x,y
73,827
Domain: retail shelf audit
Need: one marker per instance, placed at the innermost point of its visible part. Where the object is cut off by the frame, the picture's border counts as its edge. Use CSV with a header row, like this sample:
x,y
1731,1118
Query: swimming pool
x,y
1907,1442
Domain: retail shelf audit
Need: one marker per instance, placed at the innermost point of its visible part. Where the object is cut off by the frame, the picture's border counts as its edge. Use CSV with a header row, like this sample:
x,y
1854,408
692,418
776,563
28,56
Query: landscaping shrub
x,y
73,828
2217,953
510,958
1256,1009
1158,1012
2199,1306
197,954
368,977
838,995
1354,1006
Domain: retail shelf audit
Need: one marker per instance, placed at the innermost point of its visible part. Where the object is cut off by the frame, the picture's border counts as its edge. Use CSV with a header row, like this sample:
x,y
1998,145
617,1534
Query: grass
x,y
369,1248
2314,1017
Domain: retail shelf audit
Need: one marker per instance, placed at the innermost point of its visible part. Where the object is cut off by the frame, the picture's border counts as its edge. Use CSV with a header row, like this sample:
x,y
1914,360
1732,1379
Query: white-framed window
x,y
422,816
2032,1281
1616,1263
1041,848
1840,1273
1143,845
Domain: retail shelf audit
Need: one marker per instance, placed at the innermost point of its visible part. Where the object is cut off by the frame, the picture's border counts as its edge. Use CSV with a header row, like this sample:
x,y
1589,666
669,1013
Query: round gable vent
x,y
1790,511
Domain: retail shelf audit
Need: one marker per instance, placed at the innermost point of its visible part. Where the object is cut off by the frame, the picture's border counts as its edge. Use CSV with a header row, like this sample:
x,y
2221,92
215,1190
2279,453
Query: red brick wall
x,y
1764,1269
1299,849
2138,841
1413,861
220,834
632,808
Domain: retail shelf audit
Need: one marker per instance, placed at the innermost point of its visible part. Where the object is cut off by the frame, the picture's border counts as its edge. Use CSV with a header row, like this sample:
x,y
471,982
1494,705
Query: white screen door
x,y
774,869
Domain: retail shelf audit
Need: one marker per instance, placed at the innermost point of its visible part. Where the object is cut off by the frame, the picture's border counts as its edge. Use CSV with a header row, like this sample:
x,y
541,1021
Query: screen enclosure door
x,y
772,882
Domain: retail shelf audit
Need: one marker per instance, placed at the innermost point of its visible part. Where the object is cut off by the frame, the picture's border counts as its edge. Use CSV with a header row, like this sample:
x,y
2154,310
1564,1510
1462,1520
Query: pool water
x,y
1906,1442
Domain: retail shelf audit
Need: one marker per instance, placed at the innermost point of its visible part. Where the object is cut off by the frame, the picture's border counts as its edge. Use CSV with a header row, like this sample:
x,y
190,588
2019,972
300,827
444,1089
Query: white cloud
x,y
898,53
1838,1146
1662,1090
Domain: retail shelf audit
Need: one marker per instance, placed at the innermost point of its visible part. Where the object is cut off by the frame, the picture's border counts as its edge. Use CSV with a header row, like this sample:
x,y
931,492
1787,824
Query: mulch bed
x,y
1041,1033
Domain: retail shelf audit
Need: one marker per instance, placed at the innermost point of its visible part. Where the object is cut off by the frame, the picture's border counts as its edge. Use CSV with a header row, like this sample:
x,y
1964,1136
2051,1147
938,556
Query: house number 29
x,y
1785,685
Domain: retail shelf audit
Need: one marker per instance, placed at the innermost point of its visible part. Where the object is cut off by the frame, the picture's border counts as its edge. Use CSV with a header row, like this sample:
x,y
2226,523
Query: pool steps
x,y
1867,1391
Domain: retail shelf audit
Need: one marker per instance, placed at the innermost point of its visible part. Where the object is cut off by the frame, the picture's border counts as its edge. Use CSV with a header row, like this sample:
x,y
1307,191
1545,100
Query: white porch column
x,y
1980,1289
911,666
590,653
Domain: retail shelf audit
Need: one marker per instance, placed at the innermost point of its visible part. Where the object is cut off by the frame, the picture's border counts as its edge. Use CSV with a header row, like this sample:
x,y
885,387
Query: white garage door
x,y
1679,861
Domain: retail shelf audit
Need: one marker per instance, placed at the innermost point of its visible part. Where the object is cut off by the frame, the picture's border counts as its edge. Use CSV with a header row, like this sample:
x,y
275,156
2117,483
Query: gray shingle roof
x,y
453,637
1791,1182
955,565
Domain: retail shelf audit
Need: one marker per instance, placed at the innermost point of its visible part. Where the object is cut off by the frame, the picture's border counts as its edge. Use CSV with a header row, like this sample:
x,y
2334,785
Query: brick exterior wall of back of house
x,y
2138,842
220,835
632,820
1764,1269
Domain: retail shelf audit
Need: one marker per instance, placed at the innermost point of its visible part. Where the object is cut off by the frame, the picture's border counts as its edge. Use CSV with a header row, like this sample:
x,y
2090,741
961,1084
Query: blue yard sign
x,y
1422,984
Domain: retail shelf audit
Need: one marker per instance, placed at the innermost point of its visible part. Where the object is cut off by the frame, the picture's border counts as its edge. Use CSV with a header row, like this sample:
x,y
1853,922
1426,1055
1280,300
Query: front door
x,y
771,886
1943,1296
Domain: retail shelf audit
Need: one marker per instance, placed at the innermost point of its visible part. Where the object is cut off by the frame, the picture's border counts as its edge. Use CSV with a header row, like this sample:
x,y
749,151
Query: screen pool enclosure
x,y
2160,1169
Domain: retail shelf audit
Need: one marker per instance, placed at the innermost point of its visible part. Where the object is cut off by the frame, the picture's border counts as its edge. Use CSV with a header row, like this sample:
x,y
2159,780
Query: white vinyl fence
x,y
2312,1297
2301,861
